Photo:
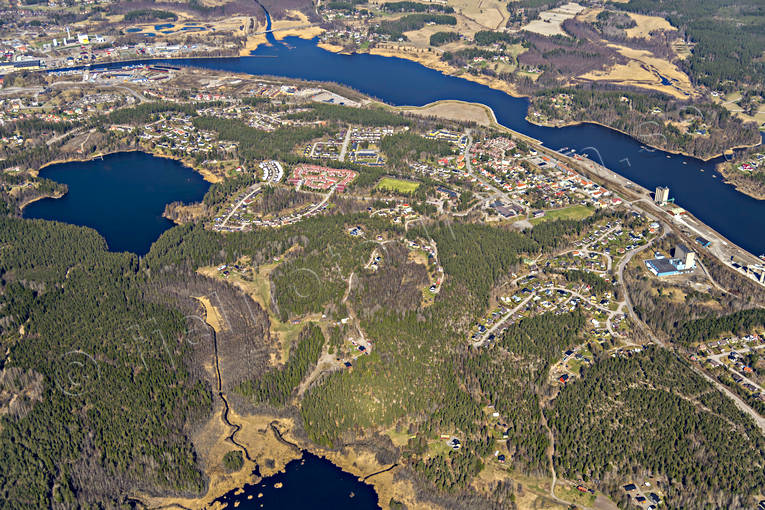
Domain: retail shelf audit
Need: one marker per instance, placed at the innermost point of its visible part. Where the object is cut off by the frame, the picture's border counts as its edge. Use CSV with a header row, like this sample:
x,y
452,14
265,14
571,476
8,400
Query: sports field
x,y
575,212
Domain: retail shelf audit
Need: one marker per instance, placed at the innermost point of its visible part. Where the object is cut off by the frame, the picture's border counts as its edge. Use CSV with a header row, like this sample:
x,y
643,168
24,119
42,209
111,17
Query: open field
x,y
575,212
535,490
682,48
213,315
589,15
571,493
454,110
479,14
647,24
187,25
421,38
645,71
730,103
491,14
259,289
398,185
550,22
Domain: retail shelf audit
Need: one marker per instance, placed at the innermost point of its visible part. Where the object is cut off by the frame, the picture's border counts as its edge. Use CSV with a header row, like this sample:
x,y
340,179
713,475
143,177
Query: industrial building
x,y
703,242
684,260
661,196
686,257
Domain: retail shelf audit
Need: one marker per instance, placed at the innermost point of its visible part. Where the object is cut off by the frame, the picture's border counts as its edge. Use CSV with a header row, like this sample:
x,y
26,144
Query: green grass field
x,y
397,185
575,212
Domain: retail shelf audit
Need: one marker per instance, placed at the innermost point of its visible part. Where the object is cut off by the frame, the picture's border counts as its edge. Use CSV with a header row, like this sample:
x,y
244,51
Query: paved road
x,y
65,84
759,420
718,358
346,142
491,330
238,205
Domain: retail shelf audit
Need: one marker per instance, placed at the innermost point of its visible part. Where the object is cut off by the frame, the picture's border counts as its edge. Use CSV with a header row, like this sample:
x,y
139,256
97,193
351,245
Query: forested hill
x,y
651,413
107,397
110,386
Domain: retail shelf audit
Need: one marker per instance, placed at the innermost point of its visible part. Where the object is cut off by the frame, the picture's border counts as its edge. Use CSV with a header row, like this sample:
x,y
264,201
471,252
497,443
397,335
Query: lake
x,y
693,183
122,196
308,482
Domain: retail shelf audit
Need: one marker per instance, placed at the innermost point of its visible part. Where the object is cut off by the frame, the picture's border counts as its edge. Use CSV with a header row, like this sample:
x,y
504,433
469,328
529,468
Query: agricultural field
x,y
646,25
551,22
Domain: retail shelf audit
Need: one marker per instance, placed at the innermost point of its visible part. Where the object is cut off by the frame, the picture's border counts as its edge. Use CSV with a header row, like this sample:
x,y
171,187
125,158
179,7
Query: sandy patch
x,y
454,110
209,176
334,48
252,44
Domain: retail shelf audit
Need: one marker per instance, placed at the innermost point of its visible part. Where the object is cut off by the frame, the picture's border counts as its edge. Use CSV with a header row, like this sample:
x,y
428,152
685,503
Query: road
x,y
65,84
495,194
718,358
620,278
60,137
239,204
346,142
500,322
299,27
509,314
758,420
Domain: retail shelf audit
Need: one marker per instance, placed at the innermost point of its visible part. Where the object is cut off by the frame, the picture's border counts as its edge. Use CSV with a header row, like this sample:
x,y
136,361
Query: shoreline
x,y
206,175
348,459
444,69
598,172
441,67
729,178
502,86
573,123
542,147
56,195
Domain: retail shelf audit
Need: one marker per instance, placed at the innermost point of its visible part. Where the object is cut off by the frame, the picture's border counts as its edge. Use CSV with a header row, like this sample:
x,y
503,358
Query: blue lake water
x,y
693,183
122,196
310,482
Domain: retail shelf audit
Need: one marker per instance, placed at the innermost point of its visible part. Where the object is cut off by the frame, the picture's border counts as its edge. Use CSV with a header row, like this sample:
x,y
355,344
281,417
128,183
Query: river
x,y
693,183
122,196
